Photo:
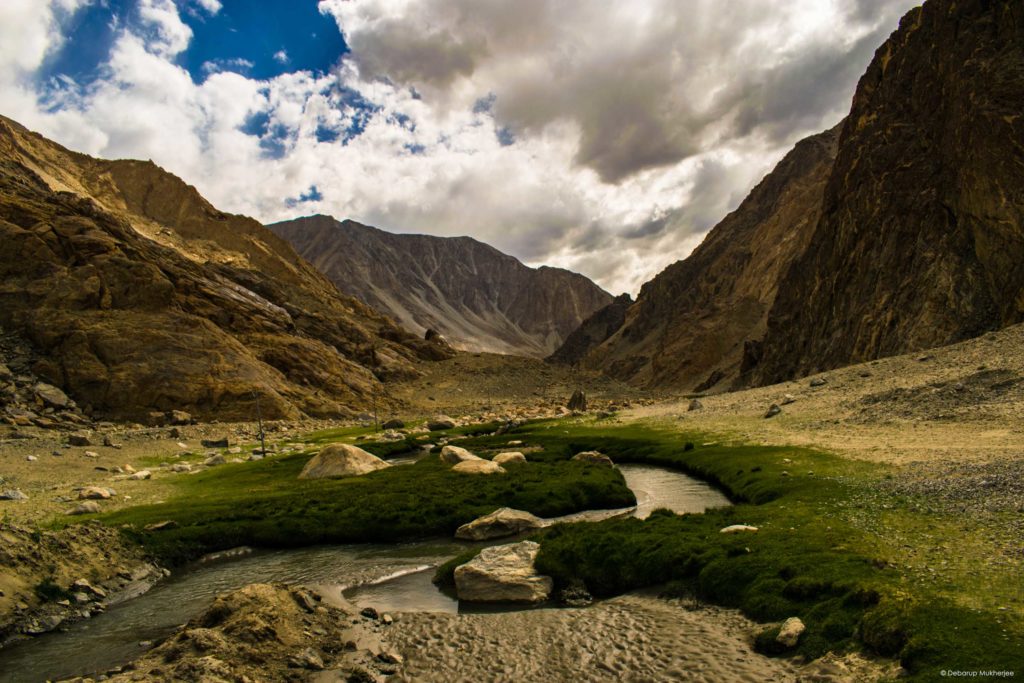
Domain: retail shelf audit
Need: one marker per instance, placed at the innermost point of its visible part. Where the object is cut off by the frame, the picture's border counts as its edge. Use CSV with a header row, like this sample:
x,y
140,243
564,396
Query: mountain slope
x,y
921,241
140,296
904,234
691,324
593,332
478,298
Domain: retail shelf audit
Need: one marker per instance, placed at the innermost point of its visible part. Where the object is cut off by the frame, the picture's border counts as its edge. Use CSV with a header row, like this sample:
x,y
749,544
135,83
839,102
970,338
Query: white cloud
x,y
238,65
211,6
281,57
633,127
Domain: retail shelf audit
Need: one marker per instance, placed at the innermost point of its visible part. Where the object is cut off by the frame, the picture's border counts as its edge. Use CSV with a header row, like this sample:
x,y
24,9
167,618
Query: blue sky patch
x,y
313,194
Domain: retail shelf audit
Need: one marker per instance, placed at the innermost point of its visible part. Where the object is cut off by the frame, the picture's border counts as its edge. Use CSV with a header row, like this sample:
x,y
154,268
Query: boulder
x,y
79,439
789,634
695,404
594,457
215,460
577,402
440,422
500,523
12,494
478,466
341,460
453,455
818,382
51,395
86,508
394,424
738,529
140,475
178,417
788,399
503,573
93,493
773,410
505,458
216,443
162,526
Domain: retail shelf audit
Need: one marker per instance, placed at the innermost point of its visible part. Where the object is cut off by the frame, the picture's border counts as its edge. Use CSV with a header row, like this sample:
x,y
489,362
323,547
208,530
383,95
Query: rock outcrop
x,y
692,325
898,230
138,296
593,332
453,455
341,460
478,298
503,573
499,524
921,236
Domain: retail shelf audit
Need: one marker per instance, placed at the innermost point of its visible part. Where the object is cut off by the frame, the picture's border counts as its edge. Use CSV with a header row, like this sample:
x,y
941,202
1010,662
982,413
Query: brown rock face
x,y
691,323
921,240
478,298
139,296
593,332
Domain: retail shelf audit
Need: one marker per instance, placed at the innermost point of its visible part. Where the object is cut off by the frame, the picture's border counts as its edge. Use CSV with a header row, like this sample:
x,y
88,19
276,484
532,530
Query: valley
x,y
301,448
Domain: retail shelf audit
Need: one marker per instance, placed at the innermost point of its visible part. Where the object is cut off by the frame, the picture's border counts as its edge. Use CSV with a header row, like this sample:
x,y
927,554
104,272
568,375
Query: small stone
x,y
788,399
819,382
93,493
140,475
79,439
214,460
389,657
439,423
790,632
91,454
369,613
87,508
31,458
162,526
773,410
216,443
394,424
695,404
387,619
12,494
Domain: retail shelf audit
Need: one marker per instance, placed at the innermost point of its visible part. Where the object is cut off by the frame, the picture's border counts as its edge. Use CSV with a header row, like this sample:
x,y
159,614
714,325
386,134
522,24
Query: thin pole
x,y
259,419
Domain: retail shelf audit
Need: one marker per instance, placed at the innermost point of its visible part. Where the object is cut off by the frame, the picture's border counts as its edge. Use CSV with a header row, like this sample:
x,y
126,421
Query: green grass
x,y
826,550
264,504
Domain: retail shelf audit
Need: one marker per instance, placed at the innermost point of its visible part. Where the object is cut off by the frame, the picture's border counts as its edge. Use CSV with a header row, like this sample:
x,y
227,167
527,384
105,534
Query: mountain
x,y
138,296
921,240
593,332
478,298
901,229
691,323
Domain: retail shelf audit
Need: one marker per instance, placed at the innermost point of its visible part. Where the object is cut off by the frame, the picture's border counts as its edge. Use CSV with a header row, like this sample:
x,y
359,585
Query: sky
x,y
602,137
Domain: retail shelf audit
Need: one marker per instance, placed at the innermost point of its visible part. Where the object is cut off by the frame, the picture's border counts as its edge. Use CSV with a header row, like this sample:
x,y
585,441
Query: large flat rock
x,y
503,573
499,524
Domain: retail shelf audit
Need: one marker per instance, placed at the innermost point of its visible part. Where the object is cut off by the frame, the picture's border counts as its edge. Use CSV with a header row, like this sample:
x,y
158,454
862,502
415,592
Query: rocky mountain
x,y
691,323
593,332
137,296
478,298
921,240
901,229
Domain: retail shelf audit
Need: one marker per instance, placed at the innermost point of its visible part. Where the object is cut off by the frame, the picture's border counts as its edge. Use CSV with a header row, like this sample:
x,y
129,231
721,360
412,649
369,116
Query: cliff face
x,y
902,229
921,240
691,324
139,296
593,332
478,298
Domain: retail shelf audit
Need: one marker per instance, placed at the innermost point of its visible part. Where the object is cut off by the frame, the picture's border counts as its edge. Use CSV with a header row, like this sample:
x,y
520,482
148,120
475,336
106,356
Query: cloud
x,y
599,137
238,65
281,57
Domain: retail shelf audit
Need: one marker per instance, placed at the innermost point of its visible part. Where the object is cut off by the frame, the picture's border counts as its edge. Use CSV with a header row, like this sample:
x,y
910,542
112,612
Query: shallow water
x,y
391,577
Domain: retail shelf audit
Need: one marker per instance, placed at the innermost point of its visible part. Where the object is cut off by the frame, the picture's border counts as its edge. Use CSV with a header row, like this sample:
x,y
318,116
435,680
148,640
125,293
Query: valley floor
x,y
946,424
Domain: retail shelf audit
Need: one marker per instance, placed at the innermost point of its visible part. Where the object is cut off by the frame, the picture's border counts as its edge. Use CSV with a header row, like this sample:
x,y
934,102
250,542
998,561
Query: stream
x,y
389,577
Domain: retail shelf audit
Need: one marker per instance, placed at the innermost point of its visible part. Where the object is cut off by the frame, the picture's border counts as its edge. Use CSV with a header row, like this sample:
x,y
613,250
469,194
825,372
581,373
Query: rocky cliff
x,y
921,239
593,332
691,323
478,298
137,295
899,230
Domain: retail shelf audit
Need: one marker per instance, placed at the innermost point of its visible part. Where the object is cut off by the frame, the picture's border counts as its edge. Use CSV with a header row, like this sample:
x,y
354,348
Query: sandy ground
x,y
961,403
636,637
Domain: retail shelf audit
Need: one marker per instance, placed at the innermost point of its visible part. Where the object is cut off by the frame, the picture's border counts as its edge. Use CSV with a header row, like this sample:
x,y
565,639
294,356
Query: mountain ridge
x,y
477,297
